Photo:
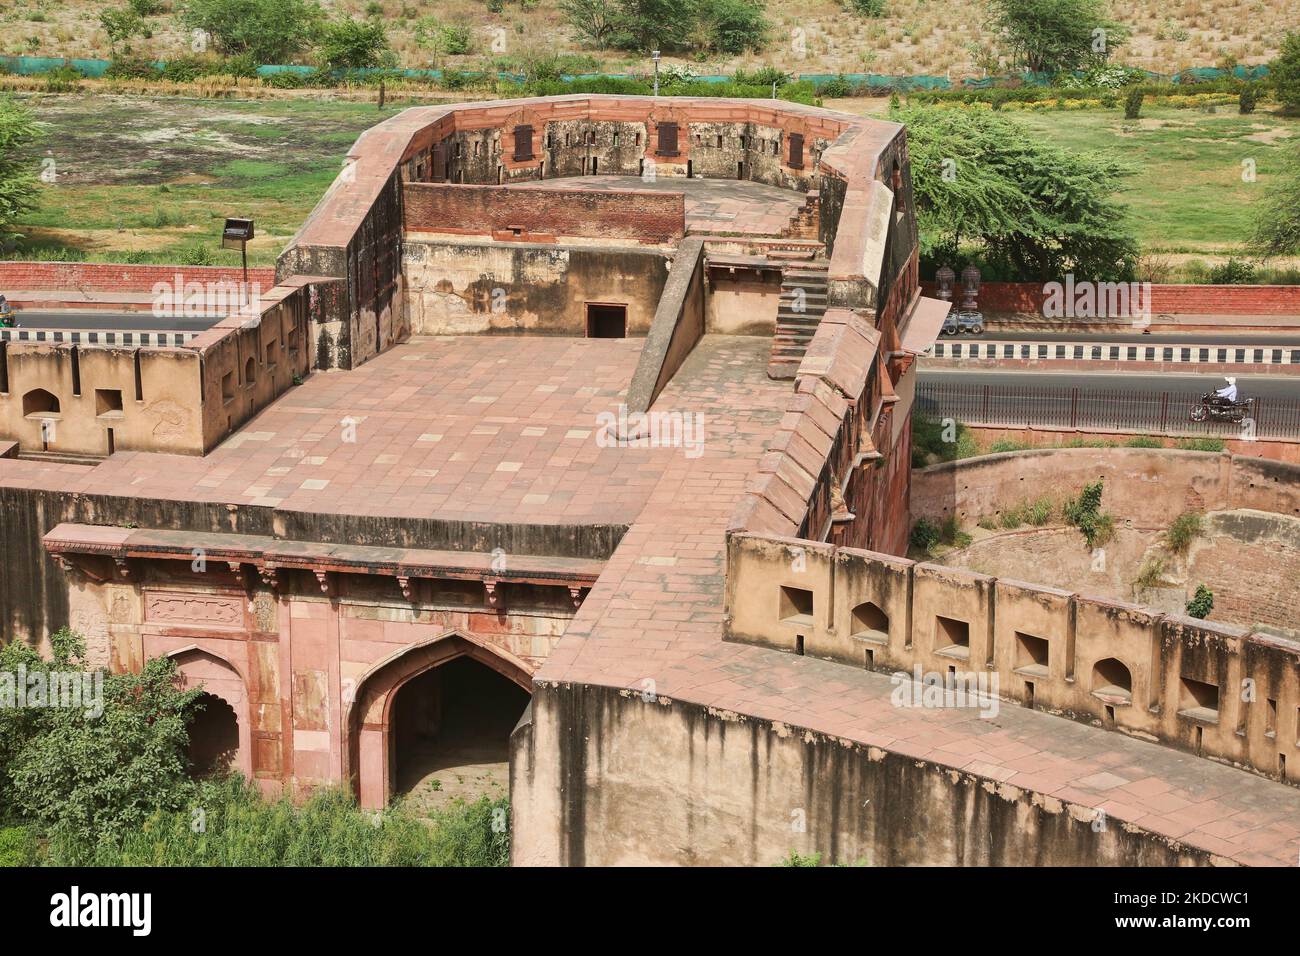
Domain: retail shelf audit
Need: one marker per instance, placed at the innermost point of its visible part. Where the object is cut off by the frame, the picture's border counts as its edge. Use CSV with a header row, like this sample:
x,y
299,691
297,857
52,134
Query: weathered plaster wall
x,y
1148,486
1047,647
34,598
601,777
467,286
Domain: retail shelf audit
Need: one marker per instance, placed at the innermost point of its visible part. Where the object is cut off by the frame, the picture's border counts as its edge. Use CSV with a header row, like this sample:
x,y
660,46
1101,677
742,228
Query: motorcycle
x,y
1215,409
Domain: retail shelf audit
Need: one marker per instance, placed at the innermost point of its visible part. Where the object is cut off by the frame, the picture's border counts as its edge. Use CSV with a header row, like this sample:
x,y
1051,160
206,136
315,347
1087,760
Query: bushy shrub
x,y
868,8
131,68
925,534
186,69
1233,272
1133,104
1284,72
836,87
1201,604
62,79
17,846
1182,531
1247,98
1084,513
236,827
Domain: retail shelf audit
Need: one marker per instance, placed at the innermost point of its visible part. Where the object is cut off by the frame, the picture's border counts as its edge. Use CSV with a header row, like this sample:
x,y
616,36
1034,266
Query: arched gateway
x,y
382,721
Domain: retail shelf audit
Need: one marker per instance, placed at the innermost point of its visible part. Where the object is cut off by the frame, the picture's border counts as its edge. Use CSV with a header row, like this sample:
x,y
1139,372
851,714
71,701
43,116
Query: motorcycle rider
x,y
1226,395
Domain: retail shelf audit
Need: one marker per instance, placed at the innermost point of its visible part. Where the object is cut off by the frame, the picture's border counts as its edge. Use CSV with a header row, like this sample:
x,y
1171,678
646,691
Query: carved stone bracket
x,y
237,569
323,577
575,595
123,568
493,595
269,577
404,583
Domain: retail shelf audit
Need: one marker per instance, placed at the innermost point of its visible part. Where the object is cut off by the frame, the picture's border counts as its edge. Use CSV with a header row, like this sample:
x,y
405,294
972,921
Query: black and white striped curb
x,y
82,337
1238,354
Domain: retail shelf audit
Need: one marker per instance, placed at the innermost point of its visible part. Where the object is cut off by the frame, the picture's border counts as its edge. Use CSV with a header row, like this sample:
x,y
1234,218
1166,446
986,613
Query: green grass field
x,y
152,179
1187,194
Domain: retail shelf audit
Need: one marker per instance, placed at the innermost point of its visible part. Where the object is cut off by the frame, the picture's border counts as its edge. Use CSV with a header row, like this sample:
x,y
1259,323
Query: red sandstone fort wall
x,y
544,214
115,277
1027,298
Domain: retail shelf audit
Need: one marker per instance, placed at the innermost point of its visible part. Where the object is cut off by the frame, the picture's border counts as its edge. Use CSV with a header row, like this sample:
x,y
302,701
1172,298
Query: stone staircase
x,y
803,303
805,223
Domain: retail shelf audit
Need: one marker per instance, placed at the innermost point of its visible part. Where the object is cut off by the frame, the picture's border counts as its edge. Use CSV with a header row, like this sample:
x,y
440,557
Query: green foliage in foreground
x,y
86,776
229,824
18,185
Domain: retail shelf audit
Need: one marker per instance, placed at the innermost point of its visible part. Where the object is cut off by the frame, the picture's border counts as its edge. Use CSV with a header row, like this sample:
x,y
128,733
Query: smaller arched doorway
x,y
219,728
450,733
417,718
214,736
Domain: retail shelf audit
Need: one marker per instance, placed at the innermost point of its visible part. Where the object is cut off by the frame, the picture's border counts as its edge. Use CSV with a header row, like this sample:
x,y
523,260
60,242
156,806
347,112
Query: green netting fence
x,y
36,65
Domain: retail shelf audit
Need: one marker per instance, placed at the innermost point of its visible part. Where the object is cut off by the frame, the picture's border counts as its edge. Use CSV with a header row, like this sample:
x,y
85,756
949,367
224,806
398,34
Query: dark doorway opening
x,y
214,736
606,321
451,733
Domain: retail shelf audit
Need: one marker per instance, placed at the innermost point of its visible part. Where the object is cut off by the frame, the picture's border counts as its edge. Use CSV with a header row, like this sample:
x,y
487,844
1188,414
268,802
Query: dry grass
x,y
917,37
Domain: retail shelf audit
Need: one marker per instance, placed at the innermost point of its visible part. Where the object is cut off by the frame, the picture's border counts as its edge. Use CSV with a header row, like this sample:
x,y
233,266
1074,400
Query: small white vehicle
x,y
958,322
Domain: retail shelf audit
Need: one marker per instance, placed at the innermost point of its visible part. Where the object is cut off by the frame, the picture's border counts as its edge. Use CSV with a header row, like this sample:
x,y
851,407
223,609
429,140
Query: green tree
x,y
355,45
1276,228
88,775
120,24
592,21
18,183
646,25
442,40
1285,73
1047,36
269,31
732,27
1037,210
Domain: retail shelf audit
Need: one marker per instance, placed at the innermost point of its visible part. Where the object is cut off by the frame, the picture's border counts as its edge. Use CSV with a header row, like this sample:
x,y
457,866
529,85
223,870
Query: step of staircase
x,y
803,281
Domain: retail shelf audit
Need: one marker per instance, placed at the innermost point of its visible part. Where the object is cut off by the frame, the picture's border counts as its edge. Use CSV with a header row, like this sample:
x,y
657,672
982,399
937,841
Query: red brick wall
x,y
644,216
1027,298
111,277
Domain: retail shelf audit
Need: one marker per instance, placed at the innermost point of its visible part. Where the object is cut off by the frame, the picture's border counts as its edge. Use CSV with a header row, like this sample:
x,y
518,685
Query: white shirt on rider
x,y
1228,391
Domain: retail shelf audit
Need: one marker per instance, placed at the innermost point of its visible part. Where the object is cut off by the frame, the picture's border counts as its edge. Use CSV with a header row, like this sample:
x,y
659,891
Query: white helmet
x,y
1230,379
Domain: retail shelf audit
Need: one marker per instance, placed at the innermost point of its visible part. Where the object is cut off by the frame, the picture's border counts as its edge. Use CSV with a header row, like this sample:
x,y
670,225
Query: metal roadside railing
x,y
1084,409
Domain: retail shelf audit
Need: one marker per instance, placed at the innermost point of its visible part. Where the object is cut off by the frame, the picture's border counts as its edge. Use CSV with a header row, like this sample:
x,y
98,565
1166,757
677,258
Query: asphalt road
x,y
113,321
1261,386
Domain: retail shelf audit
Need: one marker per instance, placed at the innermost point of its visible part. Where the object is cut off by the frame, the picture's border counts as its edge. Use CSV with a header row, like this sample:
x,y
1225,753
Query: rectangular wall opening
x,y
796,606
76,371
951,637
108,401
606,321
1198,700
1031,655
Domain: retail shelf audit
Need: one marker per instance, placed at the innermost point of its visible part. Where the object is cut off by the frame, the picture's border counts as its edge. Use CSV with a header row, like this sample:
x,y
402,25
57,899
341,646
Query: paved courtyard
x,y
715,205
